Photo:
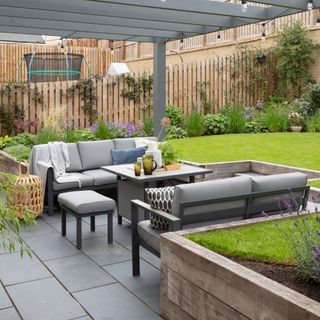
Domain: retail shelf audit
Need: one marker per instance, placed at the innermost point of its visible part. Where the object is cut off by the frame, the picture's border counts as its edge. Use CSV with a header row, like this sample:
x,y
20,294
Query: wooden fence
x,y
214,82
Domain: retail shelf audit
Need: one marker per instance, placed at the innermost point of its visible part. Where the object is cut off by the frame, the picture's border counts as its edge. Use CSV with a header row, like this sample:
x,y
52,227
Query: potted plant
x,y
295,121
169,156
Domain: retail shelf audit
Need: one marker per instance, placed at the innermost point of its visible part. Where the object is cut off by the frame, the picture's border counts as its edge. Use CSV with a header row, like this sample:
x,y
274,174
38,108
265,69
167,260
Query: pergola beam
x,y
292,4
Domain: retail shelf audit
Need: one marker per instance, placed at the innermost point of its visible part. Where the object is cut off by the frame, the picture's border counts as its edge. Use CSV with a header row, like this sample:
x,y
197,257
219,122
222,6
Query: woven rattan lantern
x,y
29,192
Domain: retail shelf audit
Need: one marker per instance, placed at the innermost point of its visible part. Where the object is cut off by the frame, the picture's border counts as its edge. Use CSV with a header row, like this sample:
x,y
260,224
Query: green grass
x,y
315,183
294,149
260,242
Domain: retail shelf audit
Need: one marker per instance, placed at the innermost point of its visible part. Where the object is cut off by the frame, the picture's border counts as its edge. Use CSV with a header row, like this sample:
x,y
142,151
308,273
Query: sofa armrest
x,y
173,221
44,165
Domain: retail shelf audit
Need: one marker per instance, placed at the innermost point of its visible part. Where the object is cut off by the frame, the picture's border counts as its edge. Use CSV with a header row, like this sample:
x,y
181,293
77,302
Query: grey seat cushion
x,y
85,202
95,154
276,182
148,235
124,143
101,177
209,190
86,181
74,156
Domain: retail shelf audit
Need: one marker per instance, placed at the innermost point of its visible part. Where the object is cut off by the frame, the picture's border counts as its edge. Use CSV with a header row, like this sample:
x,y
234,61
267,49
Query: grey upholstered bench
x,y
83,204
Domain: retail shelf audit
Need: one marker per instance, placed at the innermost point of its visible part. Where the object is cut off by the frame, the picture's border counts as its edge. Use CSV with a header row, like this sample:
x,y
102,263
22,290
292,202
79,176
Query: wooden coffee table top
x,y
126,171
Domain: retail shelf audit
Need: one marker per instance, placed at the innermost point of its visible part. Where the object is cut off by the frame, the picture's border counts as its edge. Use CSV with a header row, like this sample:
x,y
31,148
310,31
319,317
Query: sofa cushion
x,y
126,156
74,156
148,235
124,143
95,154
85,202
161,199
101,177
144,141
86,181
209,190
276,182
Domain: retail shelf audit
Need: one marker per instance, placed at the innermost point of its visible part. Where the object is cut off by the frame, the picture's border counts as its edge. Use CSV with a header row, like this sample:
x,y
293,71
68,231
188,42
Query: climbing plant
x,y
294,54
139,90
12,115
87,91
252,68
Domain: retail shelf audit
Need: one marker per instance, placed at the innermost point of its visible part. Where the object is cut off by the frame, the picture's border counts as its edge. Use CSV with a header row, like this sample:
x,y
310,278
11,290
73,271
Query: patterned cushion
x,y
161,199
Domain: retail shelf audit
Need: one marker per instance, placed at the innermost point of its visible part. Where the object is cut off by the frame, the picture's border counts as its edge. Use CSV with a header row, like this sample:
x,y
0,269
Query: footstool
x,y
83,204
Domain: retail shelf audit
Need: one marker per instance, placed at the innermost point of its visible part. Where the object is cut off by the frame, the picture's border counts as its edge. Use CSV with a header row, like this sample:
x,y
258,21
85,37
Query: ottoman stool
x,y
86,204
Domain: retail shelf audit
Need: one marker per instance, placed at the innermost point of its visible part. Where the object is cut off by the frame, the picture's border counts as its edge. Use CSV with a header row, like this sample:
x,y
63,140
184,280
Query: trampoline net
x,y
45,67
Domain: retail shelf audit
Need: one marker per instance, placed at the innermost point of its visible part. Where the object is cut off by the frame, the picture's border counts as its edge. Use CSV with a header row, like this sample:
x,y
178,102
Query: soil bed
x,y
284,274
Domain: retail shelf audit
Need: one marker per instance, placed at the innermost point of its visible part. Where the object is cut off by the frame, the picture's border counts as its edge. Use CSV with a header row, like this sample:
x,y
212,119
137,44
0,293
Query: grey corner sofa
x,y
86,158
216,201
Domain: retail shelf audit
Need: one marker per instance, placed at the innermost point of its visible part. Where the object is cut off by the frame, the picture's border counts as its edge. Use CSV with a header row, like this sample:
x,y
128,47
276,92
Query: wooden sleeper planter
x,y
197,283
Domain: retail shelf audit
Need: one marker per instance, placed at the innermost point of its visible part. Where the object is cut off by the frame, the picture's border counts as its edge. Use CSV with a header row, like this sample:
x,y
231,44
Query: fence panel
x,y
190,85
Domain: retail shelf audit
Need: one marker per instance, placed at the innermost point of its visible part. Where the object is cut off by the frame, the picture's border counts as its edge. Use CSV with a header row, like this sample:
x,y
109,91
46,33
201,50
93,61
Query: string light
x,y
219,34
310,5
263,34
244,6
181,44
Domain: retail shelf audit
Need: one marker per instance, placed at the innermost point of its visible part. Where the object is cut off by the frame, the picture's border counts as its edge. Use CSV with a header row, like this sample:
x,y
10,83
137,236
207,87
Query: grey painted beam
x,y
292,4
103,20
159,86
79,27
141,14
63,33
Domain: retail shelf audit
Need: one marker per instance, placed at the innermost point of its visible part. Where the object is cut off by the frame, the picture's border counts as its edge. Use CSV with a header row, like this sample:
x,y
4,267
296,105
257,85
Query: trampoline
x,y
53,66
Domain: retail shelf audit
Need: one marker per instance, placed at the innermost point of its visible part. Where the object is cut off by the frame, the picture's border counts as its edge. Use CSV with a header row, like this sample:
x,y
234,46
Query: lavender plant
x,y
304,238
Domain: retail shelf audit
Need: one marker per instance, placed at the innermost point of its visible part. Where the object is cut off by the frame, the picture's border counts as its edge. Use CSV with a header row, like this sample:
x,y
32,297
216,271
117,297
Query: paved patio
x,y
63,283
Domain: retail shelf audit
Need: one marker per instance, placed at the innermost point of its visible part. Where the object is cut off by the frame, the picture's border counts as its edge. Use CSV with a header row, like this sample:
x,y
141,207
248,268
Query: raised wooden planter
x,y
197,283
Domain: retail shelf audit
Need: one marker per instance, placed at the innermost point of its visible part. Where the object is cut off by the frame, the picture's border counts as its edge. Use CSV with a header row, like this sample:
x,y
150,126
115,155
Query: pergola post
x,y
159,86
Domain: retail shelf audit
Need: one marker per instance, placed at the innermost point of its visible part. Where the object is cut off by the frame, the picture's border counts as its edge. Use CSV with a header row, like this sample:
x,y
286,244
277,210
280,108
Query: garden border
x,y
197,283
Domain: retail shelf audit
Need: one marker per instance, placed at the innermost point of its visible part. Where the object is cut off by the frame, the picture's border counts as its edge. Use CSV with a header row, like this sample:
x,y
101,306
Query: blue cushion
x,y
125,156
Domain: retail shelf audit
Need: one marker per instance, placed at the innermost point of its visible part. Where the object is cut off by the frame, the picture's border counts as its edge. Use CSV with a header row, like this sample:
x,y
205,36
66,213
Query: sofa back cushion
x,y
74,156
124,143
209,190
95,154
284,181
125,156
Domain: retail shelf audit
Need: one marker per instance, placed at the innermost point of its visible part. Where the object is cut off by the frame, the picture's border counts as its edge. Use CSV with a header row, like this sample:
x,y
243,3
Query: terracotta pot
x,y
296,128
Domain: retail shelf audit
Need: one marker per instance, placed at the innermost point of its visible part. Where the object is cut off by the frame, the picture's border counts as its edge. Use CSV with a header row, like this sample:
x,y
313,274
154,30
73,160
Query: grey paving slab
x,y
44,299
83,318
146,287
14,269
121,233
103,253
114,302
4,299
51,246
39,229
51,220
100,220
148,256
9,314
72,227
79,273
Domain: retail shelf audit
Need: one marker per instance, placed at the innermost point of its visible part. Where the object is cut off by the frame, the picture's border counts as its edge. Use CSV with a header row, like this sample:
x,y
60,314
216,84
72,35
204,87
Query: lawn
x,y
315,183
261,242
295,149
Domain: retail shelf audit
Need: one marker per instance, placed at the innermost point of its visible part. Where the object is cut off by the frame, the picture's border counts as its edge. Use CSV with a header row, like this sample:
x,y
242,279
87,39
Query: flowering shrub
x,y
295,119
304,239
110,130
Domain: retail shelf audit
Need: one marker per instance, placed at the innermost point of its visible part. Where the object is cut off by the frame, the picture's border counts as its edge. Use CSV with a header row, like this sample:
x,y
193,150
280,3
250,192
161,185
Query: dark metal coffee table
x,y
130,187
